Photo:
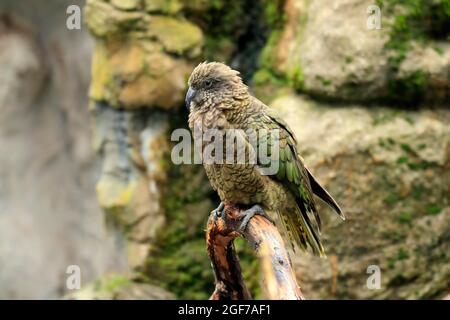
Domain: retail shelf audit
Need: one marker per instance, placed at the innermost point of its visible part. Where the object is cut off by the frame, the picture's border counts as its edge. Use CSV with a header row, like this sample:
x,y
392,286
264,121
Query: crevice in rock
x,y
250,43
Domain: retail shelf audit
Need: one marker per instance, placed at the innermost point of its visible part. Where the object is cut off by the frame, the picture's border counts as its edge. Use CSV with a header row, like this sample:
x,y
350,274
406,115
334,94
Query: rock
x,y
140,60
49,214
328,51
388,169
163,6
120,287
132,145
177,36
132,78
432,63
24,69
103,19
126,4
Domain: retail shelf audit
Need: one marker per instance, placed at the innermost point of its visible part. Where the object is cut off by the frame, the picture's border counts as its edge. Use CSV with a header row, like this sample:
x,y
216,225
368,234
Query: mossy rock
x,y
120,287
394,64
387,168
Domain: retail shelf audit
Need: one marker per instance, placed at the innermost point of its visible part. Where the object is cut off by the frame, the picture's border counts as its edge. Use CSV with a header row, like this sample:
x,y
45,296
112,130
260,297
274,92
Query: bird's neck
x,y
241,109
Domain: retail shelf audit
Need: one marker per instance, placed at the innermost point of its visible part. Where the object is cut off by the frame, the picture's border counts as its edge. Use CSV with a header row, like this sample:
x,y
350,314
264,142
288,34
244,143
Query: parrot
x,y
218,99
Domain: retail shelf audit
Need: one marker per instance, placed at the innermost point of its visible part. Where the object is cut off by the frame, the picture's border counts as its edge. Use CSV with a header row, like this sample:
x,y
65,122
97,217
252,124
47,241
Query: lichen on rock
x,y
389,171
329,52
120,287
387,167
140,60
132,146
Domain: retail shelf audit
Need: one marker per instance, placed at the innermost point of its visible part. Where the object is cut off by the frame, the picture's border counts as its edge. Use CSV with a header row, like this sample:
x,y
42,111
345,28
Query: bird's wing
x,y
289,171
311,185
293,174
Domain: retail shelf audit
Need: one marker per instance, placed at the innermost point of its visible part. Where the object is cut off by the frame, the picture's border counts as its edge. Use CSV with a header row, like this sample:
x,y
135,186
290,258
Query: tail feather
x,y
319,191
299,228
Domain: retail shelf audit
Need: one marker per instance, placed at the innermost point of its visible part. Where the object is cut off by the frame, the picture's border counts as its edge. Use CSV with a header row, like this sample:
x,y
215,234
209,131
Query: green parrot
x,y
219,101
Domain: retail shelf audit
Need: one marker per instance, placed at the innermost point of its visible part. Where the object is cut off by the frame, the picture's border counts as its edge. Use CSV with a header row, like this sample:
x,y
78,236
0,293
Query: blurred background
x,y
86,116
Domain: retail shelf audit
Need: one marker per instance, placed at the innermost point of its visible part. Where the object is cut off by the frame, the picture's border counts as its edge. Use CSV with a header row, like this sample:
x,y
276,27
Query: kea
x,y
217,99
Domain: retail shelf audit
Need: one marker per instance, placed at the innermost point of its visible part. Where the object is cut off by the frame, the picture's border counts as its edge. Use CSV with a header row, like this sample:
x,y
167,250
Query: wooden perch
x,y
279,277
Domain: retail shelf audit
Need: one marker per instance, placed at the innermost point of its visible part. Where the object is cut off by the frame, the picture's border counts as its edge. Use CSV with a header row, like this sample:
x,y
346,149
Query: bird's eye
x,y
208,84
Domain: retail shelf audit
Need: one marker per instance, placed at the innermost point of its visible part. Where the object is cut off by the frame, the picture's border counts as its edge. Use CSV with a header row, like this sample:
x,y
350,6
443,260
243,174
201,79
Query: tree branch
x,y
278,275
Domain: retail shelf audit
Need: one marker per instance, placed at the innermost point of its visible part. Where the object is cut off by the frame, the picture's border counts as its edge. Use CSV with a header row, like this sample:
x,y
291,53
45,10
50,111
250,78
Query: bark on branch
x,y
279,278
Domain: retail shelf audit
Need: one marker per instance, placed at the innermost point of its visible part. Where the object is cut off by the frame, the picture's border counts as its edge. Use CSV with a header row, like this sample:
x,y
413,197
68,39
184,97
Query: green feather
x,y
288,155
281,171
289,171
283,154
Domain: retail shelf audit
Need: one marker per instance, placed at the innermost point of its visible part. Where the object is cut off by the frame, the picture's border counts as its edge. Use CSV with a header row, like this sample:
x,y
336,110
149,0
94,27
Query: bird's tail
x,y
319,191
300,230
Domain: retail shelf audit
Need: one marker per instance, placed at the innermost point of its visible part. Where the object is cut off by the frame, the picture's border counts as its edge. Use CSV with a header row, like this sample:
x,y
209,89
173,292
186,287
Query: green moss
x,y
402,160
274,14
220,22
387,143
421,165
183,269
412,21
411,160
391,263
111,284
163,6
384,117
176,35
264,76
433,209
409,89
392,198
402,254
323,81
406,148
391,141
297,78
398,280
405,218
275,19
218,48
267,59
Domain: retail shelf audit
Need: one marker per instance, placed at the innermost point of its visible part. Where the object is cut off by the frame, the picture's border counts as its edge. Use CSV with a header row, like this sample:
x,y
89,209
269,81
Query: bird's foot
x,y
248,214
218,212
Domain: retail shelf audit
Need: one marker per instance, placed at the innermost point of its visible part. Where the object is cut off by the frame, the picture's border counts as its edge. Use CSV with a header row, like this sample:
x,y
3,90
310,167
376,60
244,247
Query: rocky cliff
x,y
49,213
369,107
362,102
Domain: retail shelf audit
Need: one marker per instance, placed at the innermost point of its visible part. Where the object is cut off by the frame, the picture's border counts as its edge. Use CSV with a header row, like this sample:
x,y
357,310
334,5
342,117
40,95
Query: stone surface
x,y
328,51
120,287
434,60
164,6
49,214
388,169
140,66
138,60
132,145
127,4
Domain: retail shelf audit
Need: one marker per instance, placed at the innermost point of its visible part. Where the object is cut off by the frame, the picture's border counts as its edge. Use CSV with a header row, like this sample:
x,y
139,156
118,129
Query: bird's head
x,y
214,85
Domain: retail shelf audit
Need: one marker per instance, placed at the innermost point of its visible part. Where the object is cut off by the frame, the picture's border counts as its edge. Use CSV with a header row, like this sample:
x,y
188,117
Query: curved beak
x,y
189,96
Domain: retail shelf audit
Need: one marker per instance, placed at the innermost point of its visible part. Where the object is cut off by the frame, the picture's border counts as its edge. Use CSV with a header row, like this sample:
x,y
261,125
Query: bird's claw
x,y
218,212
248,214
